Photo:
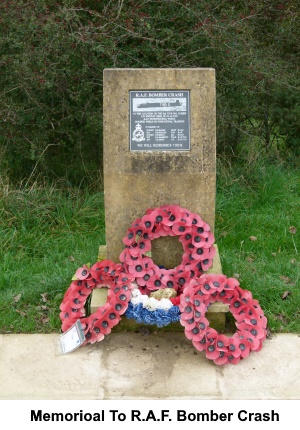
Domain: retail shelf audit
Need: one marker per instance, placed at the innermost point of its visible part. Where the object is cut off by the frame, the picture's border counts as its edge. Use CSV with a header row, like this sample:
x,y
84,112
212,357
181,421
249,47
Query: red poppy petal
x,y
222,359
82,272
212,353
200,345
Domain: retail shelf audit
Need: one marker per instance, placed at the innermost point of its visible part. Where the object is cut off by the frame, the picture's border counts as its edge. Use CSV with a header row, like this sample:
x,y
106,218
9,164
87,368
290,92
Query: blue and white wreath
x,y
148,310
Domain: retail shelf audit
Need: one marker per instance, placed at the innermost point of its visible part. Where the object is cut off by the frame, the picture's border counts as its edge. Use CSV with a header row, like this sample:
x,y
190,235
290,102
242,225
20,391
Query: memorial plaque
x,y
159,120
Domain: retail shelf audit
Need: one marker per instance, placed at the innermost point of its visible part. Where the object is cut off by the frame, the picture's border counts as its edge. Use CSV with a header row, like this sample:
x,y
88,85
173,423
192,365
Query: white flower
x,y
150,303
165,304
143,299
135,301
136,292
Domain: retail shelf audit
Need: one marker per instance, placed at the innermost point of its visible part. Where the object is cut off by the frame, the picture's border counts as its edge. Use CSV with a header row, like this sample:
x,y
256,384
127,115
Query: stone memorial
x,y
159,148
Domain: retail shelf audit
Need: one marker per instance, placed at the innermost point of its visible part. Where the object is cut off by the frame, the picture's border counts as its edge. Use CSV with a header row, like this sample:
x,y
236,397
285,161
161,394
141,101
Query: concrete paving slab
x,y
137,366
32,367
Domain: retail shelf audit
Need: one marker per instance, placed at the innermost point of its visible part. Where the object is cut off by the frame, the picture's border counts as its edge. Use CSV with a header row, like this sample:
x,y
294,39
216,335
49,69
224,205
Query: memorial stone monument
x,y
159,148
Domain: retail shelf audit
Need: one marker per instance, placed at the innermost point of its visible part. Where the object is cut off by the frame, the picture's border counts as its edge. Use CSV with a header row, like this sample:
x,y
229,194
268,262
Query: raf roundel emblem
x,y
138,134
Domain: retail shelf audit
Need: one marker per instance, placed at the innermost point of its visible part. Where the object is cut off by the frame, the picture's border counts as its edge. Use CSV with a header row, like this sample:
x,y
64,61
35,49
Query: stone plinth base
x,y
215,313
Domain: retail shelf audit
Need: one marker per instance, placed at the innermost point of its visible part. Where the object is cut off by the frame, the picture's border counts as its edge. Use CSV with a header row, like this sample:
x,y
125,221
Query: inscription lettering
x,y
159,120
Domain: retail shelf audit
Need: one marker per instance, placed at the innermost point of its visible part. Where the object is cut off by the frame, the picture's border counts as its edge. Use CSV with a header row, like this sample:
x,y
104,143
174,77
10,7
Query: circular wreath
x,y
101,274
250,320
194,234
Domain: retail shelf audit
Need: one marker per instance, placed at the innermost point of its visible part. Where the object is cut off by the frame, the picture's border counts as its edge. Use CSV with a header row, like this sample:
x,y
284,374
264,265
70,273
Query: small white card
x,y
72,338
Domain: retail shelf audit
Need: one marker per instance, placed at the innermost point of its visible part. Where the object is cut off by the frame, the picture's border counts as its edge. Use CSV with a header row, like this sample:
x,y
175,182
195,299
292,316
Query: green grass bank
x,y
48,231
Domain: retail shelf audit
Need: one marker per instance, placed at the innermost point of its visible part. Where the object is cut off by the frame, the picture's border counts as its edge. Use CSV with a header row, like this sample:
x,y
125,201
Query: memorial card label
x,y
159,120
72,338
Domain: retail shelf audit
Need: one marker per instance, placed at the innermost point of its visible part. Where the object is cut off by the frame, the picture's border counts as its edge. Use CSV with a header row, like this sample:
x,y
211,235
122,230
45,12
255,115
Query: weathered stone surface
x,y
136,181
216,267
137,366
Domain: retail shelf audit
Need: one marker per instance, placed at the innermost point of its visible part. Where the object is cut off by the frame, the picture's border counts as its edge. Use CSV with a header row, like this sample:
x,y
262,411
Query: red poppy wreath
x,y
194,234
97,325
250,320
131,282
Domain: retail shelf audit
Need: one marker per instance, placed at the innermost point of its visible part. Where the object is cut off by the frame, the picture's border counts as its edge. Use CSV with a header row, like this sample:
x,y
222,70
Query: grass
x,y
257,209
47,232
